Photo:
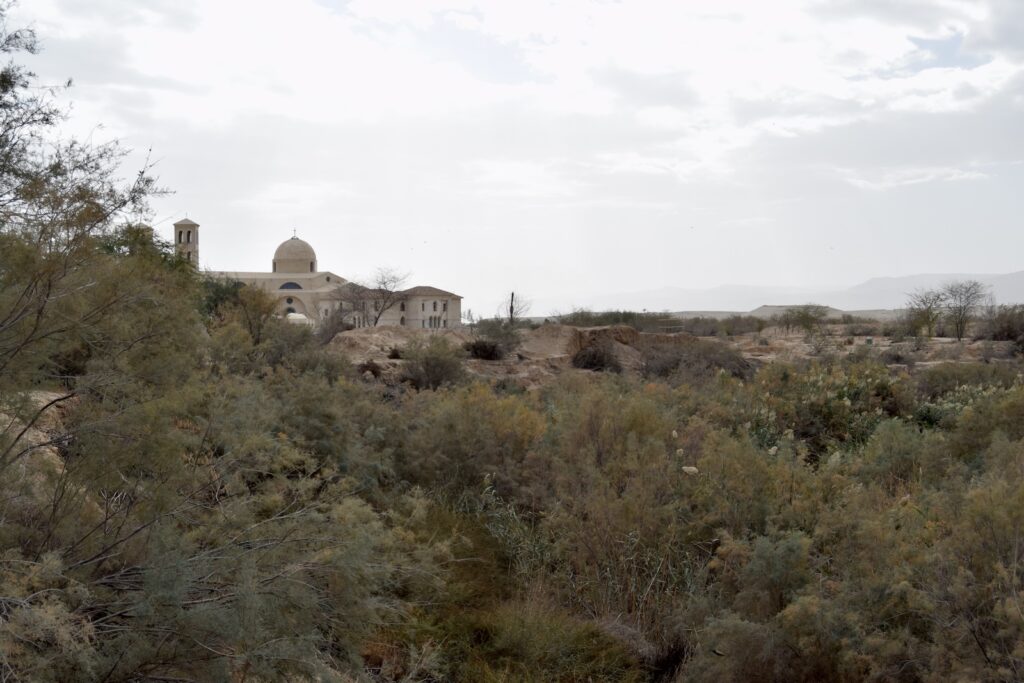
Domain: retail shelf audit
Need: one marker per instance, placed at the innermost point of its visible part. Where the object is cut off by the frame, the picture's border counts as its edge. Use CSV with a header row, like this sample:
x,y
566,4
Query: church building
x,y
307,294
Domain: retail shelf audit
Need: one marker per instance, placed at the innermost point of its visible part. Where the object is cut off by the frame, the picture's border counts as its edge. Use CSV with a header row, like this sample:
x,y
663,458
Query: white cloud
x,y
557,120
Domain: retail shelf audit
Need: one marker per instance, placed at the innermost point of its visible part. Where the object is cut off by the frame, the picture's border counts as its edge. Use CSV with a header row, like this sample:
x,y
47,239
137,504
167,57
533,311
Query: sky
x,y
569,151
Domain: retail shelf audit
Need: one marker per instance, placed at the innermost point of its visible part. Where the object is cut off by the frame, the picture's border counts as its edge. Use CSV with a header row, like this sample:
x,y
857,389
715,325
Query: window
x,y
435,307
275,266
291,285
444,323
289,300
444,307
402,321
312,267
180,233
188,237
423,305
328,278
401,306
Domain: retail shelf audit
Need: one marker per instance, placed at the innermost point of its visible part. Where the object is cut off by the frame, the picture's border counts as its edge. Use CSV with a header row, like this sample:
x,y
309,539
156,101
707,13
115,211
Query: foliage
x,y
484,349
433,364
193,489
599,356
691,360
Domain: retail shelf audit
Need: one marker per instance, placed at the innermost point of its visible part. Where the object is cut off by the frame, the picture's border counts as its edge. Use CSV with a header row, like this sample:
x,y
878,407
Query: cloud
x,y
685,144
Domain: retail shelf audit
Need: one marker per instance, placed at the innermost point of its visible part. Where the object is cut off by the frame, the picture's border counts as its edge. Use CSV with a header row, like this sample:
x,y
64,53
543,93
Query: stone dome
x,y
295,256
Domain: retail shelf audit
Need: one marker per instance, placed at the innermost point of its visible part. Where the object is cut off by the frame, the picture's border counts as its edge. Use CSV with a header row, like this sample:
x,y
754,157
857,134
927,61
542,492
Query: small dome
x,y
294,256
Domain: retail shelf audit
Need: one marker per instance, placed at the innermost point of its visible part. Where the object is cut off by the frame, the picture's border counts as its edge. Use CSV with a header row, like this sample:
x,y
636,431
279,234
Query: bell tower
x,y
186,240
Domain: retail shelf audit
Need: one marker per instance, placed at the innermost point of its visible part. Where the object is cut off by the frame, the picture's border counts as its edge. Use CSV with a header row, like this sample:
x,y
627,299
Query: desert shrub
x,y
395,353
642,321
1006,323
432,365
899,354
599,357
704,326
535,643
467,434
692,360
503,335
938,380
336,322
826,406
484,349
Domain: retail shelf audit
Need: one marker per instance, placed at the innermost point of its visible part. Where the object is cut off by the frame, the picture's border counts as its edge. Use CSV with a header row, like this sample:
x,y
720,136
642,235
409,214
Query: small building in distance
x,y
307,294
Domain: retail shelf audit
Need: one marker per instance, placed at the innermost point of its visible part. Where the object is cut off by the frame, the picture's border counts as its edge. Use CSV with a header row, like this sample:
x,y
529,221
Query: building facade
x,y
305,293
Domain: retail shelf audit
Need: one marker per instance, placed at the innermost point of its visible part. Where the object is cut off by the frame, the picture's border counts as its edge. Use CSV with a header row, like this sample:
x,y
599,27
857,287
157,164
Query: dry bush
x,y
599,357
484,349
691,360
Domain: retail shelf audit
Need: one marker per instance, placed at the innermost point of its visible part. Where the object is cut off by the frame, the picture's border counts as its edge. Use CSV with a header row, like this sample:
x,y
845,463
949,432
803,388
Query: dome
x,y
295,256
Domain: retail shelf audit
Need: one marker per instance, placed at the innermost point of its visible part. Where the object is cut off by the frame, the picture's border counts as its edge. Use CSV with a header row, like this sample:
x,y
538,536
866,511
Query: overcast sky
x,y
567,149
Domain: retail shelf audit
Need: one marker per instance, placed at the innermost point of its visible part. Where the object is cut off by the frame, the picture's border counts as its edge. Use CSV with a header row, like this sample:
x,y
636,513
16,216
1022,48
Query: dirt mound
x,y
550,341
375,343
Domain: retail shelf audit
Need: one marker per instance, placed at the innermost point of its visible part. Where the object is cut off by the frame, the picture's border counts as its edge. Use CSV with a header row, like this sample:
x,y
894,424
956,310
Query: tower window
x,y
180,234
312,267
188,237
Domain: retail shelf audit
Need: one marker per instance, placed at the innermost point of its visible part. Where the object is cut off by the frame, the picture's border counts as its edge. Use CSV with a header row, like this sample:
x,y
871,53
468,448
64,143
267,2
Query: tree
x,y
925,309
808,317
373,299
962,299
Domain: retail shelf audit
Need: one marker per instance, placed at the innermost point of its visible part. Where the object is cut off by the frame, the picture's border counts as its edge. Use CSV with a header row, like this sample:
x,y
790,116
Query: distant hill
x,y
876,294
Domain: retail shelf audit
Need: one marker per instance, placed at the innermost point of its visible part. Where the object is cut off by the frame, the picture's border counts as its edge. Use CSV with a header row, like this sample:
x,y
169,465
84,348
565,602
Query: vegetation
x,y
192,489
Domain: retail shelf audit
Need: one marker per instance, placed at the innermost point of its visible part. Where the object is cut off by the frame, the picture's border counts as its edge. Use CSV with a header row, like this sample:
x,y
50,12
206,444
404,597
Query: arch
x,y
288,304
402,321
290,285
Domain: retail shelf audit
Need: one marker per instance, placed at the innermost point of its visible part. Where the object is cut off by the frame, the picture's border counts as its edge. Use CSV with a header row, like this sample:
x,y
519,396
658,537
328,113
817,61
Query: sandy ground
x,y
547,350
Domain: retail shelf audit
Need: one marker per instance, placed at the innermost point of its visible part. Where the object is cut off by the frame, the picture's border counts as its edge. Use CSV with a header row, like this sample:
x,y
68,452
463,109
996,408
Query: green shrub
x,y
432,365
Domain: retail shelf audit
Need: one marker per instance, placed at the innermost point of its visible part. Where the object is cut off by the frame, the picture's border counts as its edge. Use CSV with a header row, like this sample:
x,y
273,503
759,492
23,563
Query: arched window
x,y
402,321
188,237
435,306
291,285
180,234
401,306
312,269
